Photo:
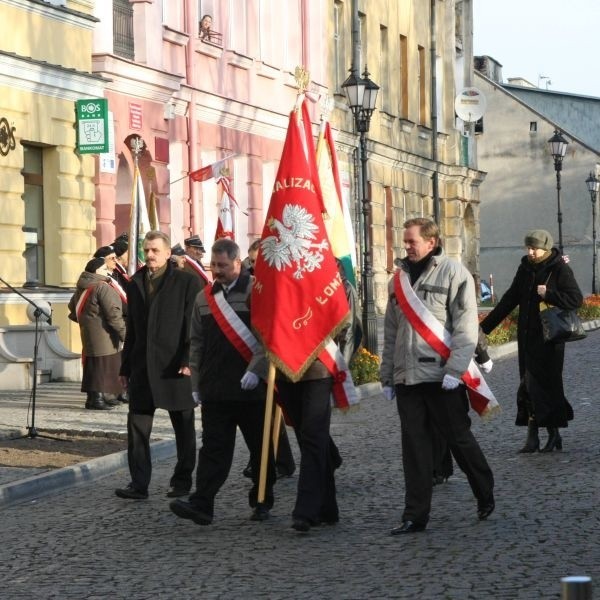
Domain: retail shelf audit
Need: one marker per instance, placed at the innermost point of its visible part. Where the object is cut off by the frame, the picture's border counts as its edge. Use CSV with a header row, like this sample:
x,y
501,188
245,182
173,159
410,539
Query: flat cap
x,y
194,241
94,264
177,250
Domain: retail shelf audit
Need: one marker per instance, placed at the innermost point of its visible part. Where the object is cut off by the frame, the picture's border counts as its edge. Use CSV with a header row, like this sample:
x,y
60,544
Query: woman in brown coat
x,y
97,307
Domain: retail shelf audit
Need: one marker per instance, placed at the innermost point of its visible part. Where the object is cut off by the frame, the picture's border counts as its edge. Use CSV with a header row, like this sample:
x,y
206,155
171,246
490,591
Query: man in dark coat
x,y
227,380
155,365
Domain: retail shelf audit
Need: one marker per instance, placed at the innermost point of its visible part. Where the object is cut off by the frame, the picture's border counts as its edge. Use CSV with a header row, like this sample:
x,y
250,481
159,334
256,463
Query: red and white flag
x,y
210,171
225,220
298,299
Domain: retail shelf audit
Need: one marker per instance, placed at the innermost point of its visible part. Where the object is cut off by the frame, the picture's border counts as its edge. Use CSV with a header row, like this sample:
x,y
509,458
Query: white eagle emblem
x,y
292,244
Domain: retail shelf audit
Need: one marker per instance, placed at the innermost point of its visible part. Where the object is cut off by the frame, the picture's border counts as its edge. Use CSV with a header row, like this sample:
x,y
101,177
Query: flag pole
x,y
262,479
277,429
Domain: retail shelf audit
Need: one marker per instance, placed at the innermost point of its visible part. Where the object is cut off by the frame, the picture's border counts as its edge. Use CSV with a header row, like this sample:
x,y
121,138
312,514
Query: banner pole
x,y
264,458
277,429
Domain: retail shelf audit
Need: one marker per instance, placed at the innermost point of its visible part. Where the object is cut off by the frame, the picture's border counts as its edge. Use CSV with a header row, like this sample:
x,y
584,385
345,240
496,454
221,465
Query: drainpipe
x,y
434,123
191,25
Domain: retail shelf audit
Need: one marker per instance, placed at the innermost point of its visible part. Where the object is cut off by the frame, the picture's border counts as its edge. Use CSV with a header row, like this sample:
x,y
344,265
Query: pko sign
x,y
92,125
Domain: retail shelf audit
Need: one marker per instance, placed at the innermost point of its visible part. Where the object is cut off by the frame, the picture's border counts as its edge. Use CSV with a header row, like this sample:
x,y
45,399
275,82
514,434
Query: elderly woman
x,y
97,307
542,276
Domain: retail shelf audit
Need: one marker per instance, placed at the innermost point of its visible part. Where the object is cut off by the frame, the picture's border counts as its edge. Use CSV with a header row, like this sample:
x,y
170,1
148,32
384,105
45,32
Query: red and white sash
x,y
235,330
115,285
481,398
122,271
83,301
198,268
343,392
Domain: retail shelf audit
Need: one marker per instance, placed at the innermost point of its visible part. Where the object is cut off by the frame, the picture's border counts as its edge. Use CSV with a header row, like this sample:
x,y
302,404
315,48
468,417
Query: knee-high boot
x,y
532,443
554,440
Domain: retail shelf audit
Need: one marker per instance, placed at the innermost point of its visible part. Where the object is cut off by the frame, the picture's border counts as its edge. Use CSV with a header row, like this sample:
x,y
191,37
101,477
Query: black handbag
x,y
560,325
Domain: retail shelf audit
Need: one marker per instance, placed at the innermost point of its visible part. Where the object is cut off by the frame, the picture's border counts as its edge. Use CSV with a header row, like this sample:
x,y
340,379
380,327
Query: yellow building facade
x,y
407,149
46,189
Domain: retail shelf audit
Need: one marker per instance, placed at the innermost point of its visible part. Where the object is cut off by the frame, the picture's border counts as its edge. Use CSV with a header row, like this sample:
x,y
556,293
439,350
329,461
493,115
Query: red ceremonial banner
x,y
298,299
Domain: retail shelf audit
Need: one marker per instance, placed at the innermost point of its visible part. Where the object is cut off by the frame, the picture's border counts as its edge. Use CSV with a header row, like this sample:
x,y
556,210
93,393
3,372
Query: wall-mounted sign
x,y
92,125
135,116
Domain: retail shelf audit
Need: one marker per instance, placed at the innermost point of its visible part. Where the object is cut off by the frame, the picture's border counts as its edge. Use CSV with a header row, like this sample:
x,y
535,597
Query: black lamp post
x,y
362,96
593,186
558,149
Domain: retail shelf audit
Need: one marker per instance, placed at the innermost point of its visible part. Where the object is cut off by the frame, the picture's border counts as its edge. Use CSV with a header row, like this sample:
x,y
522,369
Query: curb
x,y
37,486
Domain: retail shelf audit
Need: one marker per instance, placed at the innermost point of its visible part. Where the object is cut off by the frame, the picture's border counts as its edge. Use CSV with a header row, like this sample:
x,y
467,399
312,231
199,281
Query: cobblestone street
x,y
84,542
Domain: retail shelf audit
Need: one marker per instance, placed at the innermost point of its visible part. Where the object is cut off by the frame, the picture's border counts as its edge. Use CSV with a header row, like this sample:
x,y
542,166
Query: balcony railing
x,y
212,37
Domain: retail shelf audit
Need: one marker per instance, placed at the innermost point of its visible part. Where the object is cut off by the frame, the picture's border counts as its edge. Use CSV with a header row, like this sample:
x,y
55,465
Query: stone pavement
x,y
83,542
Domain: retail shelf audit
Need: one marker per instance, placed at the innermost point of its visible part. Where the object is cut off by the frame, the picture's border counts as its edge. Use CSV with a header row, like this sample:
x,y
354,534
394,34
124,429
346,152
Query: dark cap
x,y
538,238
177,250
94,264
104,252
124,236
121,246
194,241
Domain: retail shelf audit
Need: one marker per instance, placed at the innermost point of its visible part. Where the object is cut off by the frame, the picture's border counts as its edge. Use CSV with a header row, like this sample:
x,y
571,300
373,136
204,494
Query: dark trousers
x,y
421,406
308,404
139,428
220,421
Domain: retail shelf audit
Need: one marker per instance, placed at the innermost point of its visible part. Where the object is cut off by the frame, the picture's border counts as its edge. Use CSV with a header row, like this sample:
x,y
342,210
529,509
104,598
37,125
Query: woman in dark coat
x,y
97,308
543,276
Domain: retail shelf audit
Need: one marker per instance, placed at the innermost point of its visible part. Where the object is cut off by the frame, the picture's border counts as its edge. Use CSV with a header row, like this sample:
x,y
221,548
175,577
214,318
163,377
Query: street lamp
x,y
593,186
558,149
362,96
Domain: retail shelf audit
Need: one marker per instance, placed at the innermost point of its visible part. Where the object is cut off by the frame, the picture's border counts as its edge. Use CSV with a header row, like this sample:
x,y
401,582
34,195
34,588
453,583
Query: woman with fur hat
x,y
97,307
542,276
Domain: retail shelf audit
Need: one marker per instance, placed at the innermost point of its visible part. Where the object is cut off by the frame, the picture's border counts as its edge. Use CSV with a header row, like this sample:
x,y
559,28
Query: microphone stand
x,y
37,313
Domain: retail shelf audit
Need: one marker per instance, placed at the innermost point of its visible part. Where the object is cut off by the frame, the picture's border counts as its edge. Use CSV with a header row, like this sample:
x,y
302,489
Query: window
x,y
33,227
123,29
338,45
238,27
384,70
389,229
293,34
421,86
532,126
403,77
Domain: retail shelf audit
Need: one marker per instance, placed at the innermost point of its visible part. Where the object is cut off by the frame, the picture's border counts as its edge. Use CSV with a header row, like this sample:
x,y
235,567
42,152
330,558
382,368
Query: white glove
x,y
196,397
388,392
249,381
450,382
486,367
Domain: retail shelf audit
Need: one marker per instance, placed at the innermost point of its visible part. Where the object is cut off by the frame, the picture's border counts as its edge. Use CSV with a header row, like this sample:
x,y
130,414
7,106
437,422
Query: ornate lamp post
x,y
362,96
593,186
558,149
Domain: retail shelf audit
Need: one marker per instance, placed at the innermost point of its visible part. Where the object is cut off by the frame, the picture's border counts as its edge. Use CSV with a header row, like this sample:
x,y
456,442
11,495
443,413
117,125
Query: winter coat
x,y
217,366
540,364
158,340
101,322
447,289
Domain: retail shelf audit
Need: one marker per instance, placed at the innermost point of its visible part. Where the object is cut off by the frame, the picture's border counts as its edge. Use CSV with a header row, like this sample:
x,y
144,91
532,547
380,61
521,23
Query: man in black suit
x,y
155,368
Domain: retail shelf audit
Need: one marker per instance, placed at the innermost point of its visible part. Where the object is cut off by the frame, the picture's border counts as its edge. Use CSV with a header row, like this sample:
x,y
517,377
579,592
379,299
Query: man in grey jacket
x,y
428,387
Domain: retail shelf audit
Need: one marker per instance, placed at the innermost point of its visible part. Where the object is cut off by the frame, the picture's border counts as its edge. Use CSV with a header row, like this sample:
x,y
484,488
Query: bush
x,y
590,310
364,367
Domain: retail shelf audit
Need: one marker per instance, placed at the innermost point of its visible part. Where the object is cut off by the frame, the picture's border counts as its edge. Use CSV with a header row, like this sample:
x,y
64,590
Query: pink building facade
x,y
196,101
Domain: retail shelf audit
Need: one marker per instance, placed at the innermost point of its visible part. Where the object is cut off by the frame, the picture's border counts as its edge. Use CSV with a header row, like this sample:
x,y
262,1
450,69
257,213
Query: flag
x,y
139,223
338,222
224,222
153,212
210,171
298,298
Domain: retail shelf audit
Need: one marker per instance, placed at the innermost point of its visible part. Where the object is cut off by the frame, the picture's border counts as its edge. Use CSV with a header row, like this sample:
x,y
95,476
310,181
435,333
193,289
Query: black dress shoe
x,y
301,525
407,527
131,493
186,510
260,513
175,492
485,509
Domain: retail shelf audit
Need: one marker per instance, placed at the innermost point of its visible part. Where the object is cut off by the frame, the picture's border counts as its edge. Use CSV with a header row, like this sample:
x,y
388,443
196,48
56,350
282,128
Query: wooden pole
x,y
277,429
264,458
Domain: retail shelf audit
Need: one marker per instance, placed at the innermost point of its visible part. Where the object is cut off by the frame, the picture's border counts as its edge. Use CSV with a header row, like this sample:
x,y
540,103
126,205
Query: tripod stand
x,y
38,311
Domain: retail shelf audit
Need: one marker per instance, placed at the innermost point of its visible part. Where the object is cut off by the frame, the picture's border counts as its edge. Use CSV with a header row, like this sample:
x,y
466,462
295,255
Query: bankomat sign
x,y
92,125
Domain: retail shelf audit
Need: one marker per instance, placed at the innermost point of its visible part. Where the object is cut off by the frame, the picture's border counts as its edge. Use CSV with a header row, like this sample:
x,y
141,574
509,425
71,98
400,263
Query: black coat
x,y
158,341
540,364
